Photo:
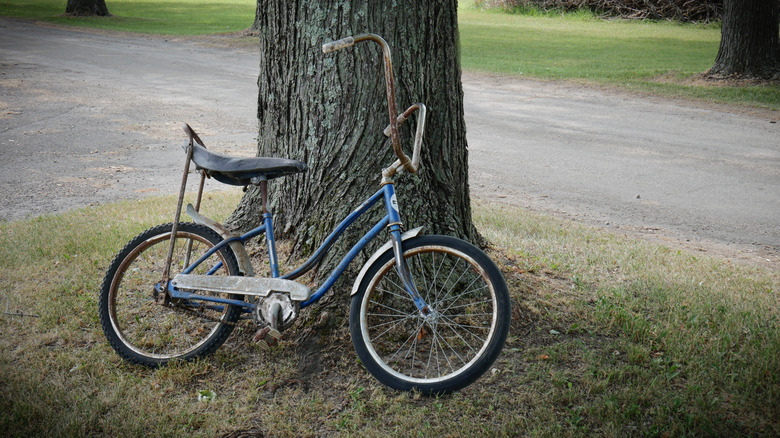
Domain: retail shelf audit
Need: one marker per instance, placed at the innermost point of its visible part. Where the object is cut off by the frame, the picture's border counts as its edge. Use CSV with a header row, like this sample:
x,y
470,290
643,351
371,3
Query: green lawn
x,y
177,17
577,47
647,57
610,337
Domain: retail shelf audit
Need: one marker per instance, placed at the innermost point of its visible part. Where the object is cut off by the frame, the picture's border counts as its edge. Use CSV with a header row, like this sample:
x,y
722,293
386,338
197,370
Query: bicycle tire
x,y
458,343
144,332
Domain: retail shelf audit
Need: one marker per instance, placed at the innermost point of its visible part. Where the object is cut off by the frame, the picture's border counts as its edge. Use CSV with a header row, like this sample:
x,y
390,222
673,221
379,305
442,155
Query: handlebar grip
x,y
338,45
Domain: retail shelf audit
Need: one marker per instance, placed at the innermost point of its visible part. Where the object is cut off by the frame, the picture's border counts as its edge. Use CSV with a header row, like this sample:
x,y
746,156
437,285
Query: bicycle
x,y
428,313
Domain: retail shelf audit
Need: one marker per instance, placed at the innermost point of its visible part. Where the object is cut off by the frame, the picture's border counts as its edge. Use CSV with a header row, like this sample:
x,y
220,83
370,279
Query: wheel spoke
x,y
388,307
426,288
448,309
404,295
412,336
464,327
454,351
446,297
467,343
394,325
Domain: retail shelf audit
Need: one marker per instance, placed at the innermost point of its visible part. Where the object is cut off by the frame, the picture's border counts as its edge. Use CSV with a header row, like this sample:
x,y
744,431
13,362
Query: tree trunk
x,y
330,110
87,8
750,42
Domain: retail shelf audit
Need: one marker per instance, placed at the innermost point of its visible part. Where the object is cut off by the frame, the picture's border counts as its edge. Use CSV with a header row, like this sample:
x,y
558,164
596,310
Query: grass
x,y
660,58
610,337
169,17
569,47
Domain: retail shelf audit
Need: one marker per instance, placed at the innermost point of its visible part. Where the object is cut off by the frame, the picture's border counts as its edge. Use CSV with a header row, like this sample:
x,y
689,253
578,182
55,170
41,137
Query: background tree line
x,y
680,10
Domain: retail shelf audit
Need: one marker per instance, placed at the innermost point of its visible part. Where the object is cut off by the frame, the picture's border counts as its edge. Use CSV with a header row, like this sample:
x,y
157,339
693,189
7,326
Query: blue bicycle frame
x,y
392,221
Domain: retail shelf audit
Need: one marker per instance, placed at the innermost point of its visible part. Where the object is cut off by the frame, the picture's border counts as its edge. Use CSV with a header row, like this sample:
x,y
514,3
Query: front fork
x,y
395,226
406,276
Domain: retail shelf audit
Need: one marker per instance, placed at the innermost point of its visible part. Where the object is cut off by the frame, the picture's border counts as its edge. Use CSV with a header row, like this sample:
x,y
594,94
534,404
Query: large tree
x,y
87,8
330,110
750,40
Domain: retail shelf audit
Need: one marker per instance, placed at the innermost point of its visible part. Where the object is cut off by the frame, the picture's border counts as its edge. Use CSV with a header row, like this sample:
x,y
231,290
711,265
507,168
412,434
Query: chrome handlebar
x,y
403,163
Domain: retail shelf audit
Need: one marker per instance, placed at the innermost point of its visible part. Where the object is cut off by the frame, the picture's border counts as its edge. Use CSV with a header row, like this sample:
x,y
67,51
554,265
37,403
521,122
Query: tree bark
x,y
87,8
330,110
750,40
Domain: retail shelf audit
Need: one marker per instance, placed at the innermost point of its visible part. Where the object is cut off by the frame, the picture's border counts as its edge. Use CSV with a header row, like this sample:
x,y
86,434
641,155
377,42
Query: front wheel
x,y
451,346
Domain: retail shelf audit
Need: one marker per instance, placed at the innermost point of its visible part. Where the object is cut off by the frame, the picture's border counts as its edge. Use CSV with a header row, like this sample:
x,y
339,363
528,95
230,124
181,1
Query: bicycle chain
x,y
182,309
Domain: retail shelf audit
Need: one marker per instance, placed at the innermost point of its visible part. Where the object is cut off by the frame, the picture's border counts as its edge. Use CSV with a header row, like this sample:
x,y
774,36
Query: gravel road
x,y
88,118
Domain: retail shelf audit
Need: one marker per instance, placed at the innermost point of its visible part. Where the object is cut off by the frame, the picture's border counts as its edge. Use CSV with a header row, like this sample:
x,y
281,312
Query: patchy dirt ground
x,y
93,117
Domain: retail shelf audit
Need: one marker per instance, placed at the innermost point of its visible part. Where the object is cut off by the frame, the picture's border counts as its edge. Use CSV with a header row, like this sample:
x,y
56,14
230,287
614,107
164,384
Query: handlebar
x,y
338,45
403,163
414,164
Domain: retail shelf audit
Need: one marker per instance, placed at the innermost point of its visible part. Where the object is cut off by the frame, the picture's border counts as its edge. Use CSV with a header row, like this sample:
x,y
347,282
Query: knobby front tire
x,y
443,352
144,332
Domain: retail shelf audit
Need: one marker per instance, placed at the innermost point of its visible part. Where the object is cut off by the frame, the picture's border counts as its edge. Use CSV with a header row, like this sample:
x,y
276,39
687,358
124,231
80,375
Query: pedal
x,y
267,337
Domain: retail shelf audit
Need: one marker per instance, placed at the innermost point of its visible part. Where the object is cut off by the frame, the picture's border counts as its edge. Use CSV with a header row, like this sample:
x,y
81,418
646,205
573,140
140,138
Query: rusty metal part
x,y
261,182
200,189
392,130
390,88
197,208
267,337
414,164
264,193
163,297
192,134
338,45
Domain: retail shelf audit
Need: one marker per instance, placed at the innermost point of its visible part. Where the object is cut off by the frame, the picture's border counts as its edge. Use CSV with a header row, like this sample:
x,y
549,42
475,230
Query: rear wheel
x,y
145,332
456,342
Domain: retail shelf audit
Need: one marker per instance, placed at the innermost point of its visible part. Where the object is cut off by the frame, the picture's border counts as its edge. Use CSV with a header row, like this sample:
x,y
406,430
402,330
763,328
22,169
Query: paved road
x,y
89,118
658,167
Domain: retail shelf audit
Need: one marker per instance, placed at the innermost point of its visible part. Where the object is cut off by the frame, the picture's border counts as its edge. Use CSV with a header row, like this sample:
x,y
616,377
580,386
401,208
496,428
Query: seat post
x,y
200,189
263,184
